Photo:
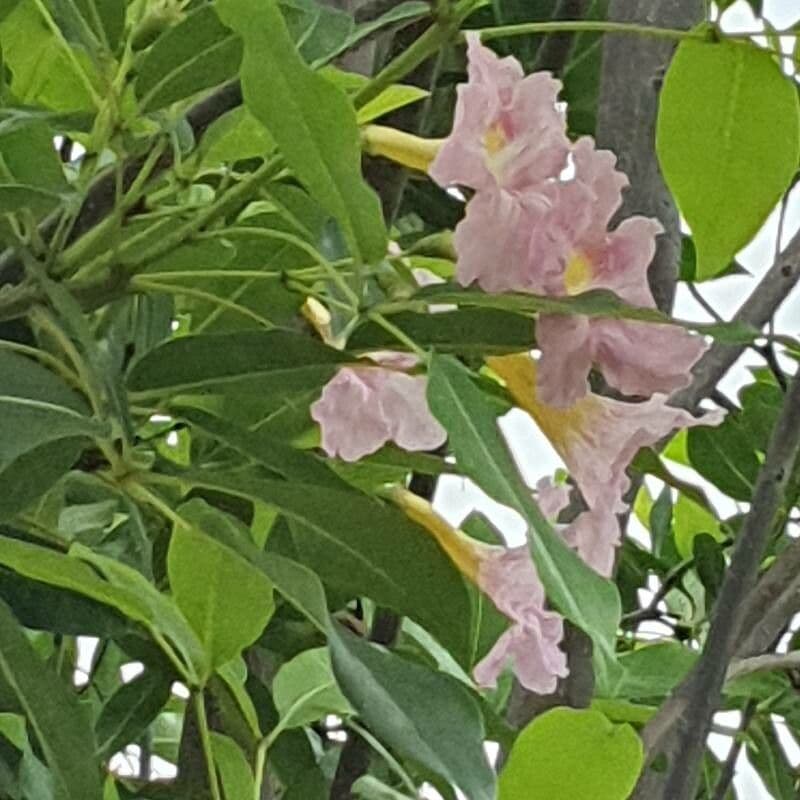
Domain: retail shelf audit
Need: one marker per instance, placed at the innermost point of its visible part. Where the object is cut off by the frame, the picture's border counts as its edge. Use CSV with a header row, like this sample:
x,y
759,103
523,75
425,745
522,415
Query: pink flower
x,y
576,253
594,533
597,437
531,644
364,407
508,577
508,131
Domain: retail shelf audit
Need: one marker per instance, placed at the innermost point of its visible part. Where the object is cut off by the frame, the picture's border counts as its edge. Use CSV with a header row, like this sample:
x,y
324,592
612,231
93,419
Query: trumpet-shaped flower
x,y
508,132
597,437
364,407
508,577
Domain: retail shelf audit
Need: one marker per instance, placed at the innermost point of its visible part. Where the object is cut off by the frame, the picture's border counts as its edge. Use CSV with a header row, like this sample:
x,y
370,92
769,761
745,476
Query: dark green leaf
x,y
286,461
769,759
726,457
728,142
231,360
312,122
198,53
709,561
468,330
423,715
53,713
363,547
586,599
130,710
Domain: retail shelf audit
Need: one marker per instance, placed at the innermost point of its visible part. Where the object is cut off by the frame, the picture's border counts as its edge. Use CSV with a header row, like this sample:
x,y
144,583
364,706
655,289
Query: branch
x,y
680,728
756,311
766,663
102,194
633,68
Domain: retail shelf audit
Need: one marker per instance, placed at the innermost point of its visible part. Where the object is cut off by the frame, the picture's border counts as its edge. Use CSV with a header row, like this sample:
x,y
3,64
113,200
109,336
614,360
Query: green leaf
x,y
226,600
130,710
709,562
232,361
577,591
198,53
389,100
52,711
768,757
364,547
312,122
305,690
653,671
479,331
725,456
43,72
688,521
234,771
421,714
566,754
728,141
123,588
318,30
286,461
96,24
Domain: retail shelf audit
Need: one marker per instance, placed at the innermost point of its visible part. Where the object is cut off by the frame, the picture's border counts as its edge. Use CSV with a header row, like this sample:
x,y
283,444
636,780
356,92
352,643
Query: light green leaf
x,y
198,53
364,547
577,591
311,121
52,711
389,100
226,600
728,141
421,714
235,773
305,690
566,754
689,520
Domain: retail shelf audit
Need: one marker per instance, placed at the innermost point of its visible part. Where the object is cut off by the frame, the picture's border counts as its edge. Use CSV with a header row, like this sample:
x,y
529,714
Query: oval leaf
x,y
728,141
567,754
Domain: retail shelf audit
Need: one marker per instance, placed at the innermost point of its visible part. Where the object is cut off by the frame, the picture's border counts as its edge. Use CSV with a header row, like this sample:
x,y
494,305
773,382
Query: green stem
x,y
586,26
205,739
111,223
300,244
393,763
423,48
398,334
139,283
46,358
229,201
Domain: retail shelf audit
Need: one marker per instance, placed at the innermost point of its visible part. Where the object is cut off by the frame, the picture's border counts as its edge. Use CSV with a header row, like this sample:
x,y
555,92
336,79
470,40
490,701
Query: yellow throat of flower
x,y
578,274
559,425
464,552
494,140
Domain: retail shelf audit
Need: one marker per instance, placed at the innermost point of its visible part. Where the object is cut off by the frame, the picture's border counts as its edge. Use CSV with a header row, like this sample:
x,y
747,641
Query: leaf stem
x,y
587,26
205,739
398,334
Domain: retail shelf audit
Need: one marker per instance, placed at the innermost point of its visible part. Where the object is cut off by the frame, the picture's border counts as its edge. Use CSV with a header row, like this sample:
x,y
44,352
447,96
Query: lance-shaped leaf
x,y
577,591
311,120
52,710
422,714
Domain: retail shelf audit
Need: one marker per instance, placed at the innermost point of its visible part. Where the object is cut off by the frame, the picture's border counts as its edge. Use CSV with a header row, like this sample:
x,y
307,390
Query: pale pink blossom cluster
x,y
548,203
538,222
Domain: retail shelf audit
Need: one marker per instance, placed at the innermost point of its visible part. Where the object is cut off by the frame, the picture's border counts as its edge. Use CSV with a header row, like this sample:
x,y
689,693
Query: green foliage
x,y
190,250
567,753
424,715
728,141
311,122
